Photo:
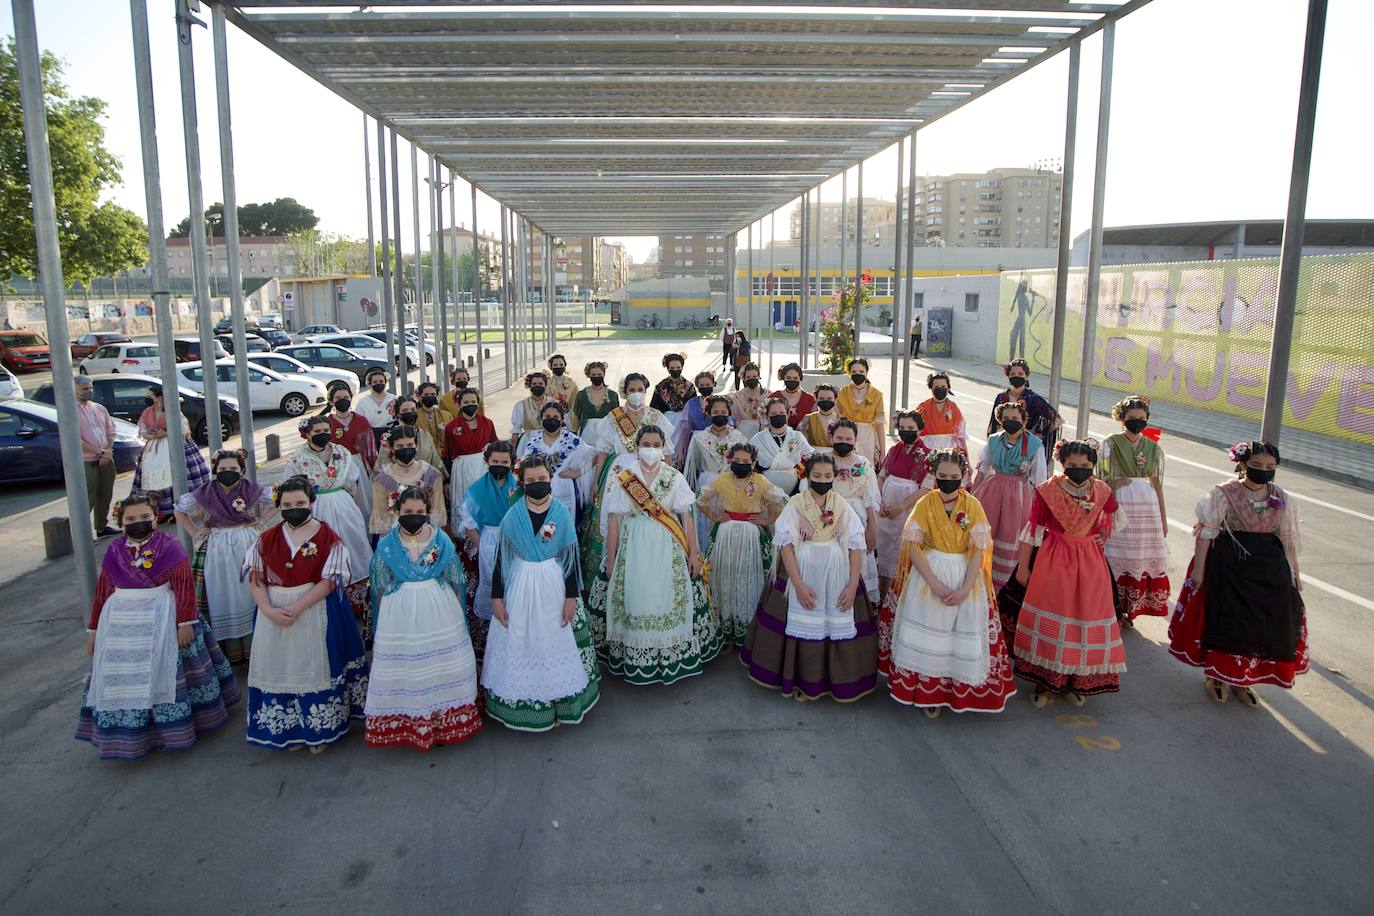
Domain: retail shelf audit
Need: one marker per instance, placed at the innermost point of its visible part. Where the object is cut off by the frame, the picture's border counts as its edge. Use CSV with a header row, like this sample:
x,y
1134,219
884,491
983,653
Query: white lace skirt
x,y
534,658
1138,548
422,659
486,562
869,570
227,594
135,661
737,572
933,639
465,472
291,659
364,500
896,490
824,568
337,509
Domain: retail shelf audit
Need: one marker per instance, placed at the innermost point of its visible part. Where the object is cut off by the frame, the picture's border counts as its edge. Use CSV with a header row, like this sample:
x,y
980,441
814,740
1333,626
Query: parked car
x,y
412,342
87,344
332,356
123,394
275,337
370,348
126,357
30,446
286,365
24,350
311,331
188,349
255,343
10,389
292,395
270,320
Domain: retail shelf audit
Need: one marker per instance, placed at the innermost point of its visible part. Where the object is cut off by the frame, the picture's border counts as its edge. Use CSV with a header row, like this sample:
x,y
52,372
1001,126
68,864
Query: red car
x,y
24,350
87,344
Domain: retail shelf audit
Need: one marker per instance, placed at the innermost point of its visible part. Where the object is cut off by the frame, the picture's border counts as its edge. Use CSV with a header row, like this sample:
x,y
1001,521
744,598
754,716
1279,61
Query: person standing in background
x,y
916,337
97,454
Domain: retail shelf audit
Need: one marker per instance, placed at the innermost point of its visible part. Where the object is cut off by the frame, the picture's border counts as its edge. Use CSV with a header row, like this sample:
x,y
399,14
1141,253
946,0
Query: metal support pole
x,y
477,299
54,301
896,273
388,291
859,263
231,237
803,276
367,182
398,297
157,237
844,227
773,293
440,275
910,277
401,345
190,126
476,273
749,269
814,312
1104,117
507,345
1290,255
1061,272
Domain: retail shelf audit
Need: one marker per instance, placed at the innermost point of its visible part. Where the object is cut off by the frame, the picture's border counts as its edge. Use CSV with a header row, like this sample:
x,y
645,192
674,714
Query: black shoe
x,y
107,532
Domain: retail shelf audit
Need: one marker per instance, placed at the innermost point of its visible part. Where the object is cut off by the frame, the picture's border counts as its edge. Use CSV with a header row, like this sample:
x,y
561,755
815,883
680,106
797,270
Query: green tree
x,y
96,239
283,216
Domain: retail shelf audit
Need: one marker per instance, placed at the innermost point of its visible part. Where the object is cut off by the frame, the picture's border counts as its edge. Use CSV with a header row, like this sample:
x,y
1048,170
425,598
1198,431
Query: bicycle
x,y
653,321
693,324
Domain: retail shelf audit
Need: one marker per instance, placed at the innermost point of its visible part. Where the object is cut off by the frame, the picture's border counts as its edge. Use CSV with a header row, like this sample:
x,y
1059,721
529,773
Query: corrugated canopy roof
x,y
635,118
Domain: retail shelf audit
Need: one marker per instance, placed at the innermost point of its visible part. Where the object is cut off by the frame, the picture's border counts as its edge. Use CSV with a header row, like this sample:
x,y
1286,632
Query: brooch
x,y
309,549
239,505
143,559
547,532
962,520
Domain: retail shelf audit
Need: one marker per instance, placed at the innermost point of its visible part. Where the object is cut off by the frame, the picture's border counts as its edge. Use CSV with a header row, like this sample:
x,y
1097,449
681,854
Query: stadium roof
x,y
643,117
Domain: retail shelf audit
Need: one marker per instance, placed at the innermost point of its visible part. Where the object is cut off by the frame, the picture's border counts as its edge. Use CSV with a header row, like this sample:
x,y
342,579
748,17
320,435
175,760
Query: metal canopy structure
x,y
643,118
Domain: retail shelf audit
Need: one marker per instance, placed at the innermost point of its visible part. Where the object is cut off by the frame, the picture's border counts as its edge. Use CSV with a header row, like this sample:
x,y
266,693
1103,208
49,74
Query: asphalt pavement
x,y
716,795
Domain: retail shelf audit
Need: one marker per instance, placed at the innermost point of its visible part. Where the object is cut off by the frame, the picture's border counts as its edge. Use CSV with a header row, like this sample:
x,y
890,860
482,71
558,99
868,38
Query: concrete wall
x,y
671,298
975,332
331,300
126,316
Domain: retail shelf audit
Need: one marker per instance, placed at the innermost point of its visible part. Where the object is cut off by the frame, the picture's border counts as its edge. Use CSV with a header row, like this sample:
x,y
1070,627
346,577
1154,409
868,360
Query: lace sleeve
x,y
614,502
337,566
980,536
1039,472
786,531
872,499
681,496
187,504
853,534
466,522
1032,534
1211,514
985,459
252,569
1288,531
912,532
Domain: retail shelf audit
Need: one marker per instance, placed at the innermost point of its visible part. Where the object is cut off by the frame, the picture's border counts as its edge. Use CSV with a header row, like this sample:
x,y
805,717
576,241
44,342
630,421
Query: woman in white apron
x,y
1137,552
223,517
781,449
561,451
857,483
307,679
483,507
540,670
708,454
422,689
901,481
157,675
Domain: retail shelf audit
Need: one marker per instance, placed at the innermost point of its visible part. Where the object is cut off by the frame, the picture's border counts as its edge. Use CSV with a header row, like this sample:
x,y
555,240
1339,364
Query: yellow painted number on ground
x,y
1075,720
1102,742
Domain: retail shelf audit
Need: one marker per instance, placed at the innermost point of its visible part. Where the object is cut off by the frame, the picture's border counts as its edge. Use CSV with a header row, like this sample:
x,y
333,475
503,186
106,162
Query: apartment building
x,y
694,256
1003,208
880,219
260,256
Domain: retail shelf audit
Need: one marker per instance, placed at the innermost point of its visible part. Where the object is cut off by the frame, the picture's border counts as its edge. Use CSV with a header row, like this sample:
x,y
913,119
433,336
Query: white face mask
x,y
649,456
635,398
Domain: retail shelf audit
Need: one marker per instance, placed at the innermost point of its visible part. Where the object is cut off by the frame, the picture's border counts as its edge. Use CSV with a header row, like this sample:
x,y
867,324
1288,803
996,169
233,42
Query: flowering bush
x,y
838,323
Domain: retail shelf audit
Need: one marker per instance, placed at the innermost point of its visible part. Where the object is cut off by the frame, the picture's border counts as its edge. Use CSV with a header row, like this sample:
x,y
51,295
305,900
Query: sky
x,y
1203,106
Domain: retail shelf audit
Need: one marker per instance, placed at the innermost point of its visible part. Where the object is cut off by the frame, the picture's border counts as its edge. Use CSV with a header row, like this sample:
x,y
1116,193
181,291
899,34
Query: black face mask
x,y
558,370
379,387
1078,475
1012,426
751,383
411,524
537,390
858,378
1255,475
719,421
826,406
410,418
791,384
138,531
470,410
909,435
1136,427
296,517
551,424
1016,381
940,393
429,400
843,448
460,384
538,489
597,381
342,405
319,440
499,471
778,421
820,486
741,469
947,486
406,455
675,372
228,478
705,390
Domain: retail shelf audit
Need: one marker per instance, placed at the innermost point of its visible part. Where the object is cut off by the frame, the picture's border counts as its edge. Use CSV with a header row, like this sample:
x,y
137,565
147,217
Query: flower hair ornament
x,y
529,379
393,499
1240,452
594,364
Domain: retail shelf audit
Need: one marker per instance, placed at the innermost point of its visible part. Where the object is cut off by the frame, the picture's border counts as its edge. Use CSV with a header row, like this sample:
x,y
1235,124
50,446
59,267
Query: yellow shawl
x,y
869,410
957,532
753,494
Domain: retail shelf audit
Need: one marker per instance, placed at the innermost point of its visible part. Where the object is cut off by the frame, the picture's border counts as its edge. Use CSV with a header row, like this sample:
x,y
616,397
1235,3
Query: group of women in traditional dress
x,y
642,530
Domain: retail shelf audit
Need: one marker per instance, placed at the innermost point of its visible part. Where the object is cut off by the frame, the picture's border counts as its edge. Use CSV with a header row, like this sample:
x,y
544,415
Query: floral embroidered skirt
x,y
205,687
318,717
